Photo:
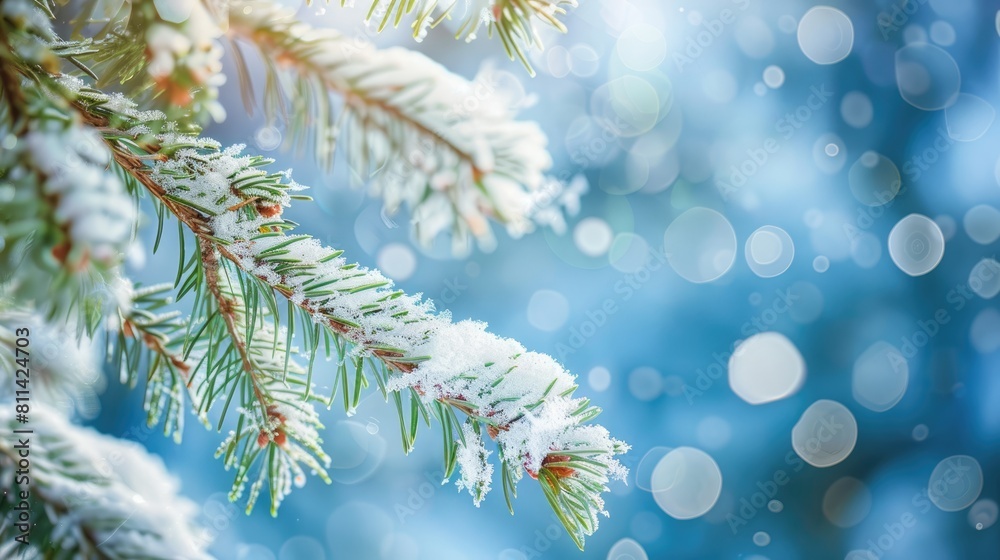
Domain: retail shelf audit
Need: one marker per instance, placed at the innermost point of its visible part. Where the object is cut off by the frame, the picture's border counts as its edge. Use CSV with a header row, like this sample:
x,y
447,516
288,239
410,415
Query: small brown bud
x,y
269,210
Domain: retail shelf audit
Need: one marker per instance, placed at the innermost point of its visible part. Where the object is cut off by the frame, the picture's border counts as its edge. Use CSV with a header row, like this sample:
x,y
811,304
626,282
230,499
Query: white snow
x,y
97,481
90,201
461,157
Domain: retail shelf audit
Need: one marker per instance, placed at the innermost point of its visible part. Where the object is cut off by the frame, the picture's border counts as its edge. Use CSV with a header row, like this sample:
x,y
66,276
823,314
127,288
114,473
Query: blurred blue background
x,y
759,112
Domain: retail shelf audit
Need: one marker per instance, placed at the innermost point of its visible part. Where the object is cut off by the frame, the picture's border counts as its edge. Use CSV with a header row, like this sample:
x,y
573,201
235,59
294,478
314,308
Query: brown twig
x,y
227,308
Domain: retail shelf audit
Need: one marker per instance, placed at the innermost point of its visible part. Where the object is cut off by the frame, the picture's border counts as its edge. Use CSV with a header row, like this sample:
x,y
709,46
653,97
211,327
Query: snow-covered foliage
x,y
67,217
91,204
473,460
185,57
100,497
514,22
448,148
286,419
524,397
88,205
65,371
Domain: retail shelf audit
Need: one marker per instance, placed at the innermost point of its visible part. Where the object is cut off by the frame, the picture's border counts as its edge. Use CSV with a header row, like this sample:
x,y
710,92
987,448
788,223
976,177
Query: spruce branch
x,y
140,332
165,54
239,351
226,307
448,148
64,372
521,399
67,219
93,496
513,21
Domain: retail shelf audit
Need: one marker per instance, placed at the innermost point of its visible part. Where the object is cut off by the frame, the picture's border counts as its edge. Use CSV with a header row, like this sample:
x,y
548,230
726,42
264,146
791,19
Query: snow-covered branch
x,y
236,347
448,148
64,368
513,21
522,399
95,496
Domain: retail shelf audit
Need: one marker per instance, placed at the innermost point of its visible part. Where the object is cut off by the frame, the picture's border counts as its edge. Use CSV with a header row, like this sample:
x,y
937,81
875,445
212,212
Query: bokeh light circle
x,y
982,224
916,244
821,264
829,153
647,465
983,514
942,33
766,367
825,35
599,378
645,383
629,253
769,251
927,76
548,310
686,483
847,502
627,549
955,483
359,453
774,76
584,60
866,250
969,118
856,109
809,302
874,179
700,245
615,211
825,434
397,261
880,377
754,37
267,138
629,105
641,47
593,236
984,279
